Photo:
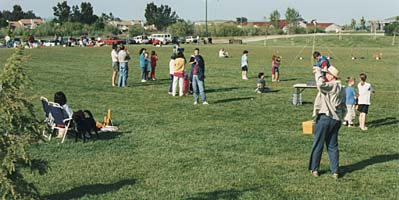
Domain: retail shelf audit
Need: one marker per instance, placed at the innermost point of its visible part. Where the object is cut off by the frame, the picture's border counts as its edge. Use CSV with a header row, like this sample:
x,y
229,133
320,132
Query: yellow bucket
x,y
308,127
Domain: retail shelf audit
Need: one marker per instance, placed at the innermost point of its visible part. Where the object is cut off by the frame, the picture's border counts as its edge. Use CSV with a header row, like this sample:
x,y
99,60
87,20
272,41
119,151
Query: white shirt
x,y
114,55
364,93
122,55
244,60
68,110
171,66
221,53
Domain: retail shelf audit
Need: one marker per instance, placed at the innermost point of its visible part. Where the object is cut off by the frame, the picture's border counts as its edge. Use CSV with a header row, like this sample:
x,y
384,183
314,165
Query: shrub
x,y
18,128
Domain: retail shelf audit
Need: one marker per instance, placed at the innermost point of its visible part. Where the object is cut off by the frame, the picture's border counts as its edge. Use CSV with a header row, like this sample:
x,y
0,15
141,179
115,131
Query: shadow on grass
x,y
289,79
95,189
383,122
108,135
233,99
221,194
365,163
221,90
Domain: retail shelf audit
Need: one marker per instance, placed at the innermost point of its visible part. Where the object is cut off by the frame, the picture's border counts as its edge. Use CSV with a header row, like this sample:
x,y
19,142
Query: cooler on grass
x,y
308,127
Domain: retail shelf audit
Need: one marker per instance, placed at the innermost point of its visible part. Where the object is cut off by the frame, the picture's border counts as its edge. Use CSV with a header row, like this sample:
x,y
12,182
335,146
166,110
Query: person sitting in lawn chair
x,y
55,119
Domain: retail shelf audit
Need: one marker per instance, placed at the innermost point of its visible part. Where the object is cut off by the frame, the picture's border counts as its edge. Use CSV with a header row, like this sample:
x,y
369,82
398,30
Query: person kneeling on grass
x,y
261,86
329,110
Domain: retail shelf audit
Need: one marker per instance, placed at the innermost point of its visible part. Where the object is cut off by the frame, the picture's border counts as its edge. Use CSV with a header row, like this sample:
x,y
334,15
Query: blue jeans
x,y
198,85
326,130
123,71
144,73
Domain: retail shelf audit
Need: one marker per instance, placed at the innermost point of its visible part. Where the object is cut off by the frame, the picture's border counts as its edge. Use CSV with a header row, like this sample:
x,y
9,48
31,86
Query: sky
x,y
336,11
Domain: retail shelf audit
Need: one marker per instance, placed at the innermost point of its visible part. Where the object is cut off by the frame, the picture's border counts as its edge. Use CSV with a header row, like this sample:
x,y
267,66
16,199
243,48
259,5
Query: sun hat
x,y
333,71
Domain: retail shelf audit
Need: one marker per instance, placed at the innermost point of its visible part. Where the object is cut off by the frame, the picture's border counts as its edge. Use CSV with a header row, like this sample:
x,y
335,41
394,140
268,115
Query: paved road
x,y
271,37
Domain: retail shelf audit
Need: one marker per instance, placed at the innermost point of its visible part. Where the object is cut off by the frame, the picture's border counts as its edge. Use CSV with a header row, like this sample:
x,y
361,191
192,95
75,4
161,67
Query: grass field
x,y
242,146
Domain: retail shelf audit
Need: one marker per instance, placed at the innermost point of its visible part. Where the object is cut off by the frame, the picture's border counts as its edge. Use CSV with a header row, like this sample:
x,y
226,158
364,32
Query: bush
x,y
18,128
392,29
181,29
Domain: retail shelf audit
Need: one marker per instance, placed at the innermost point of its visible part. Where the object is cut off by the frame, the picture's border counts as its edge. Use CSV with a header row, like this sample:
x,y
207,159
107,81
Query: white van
x,y
141,39
164,38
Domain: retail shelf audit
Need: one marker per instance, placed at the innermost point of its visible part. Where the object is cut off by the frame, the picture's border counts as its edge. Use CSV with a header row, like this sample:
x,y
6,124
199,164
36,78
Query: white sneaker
x,y
364,128
205,103
143,81
195,102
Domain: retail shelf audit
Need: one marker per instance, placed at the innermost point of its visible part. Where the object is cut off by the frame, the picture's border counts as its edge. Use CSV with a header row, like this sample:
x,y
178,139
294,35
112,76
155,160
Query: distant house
x,y
215,22
327,27
282,24
124,25
26,23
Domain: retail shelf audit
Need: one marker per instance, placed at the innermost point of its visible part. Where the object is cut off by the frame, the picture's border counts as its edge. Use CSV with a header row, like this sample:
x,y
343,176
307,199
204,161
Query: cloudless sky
x,y
337,11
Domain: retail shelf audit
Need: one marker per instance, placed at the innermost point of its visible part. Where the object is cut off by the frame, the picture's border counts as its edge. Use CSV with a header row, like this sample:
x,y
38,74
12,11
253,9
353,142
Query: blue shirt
x,y
142,61
322,63
350,95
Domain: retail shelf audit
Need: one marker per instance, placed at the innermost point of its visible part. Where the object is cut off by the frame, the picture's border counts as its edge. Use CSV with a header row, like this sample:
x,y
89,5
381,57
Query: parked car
x,y
141,39
191,39
113,40
130,41
178,40
164,38
48,43
156,42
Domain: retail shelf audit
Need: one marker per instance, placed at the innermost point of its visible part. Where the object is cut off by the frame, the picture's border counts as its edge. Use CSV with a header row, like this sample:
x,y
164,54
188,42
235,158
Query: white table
x,y
297,96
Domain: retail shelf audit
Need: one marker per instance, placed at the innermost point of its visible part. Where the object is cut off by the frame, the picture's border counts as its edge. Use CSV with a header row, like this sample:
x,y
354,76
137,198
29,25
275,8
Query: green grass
x,y
242,146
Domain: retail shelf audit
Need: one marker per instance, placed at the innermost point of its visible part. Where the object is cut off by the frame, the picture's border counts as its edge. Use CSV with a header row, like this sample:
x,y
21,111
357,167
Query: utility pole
x,y
206,18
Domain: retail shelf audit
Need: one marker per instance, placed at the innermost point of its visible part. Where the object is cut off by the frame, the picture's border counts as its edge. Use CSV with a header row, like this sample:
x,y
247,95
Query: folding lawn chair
x,y
55,118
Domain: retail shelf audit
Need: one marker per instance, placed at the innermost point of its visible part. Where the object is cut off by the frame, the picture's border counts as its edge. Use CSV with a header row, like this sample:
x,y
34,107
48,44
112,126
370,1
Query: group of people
x,y
120,57
177,69
332,103
180,77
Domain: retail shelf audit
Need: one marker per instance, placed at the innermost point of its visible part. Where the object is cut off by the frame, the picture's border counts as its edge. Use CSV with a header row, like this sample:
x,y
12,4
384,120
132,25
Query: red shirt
x,y
154,61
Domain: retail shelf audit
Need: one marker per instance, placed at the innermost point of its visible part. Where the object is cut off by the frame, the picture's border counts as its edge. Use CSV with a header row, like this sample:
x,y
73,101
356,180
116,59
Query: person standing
x,y
115,63
171,71
350,102
244,65
154,59
123,58
197,75
276,60
329,110
178,73
365,89
142,64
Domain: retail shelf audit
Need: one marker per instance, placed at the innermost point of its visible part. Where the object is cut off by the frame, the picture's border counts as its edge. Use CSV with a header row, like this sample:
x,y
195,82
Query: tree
x,y
136,30
181,28
16,14
18,128
362,23
62,11
292,17
353,24
87,16
161,16
76,16
241,20
275,19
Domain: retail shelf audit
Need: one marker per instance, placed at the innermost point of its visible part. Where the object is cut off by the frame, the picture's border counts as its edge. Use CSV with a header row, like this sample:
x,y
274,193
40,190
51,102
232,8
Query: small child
x,y
154,59
244,65
350,102
147,66
171,71
276,68
365,89
261,86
